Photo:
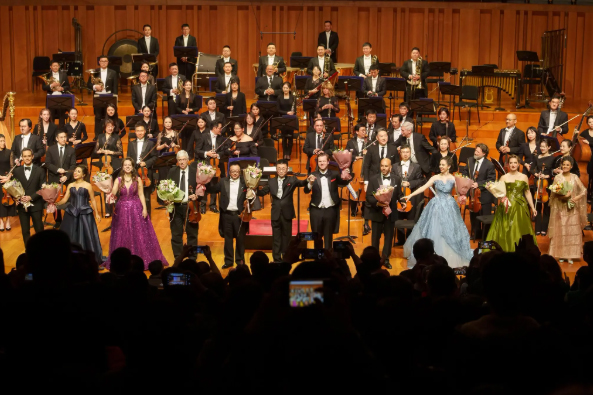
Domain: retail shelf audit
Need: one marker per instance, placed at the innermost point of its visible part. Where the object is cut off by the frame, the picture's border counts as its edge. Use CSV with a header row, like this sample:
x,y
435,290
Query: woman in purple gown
x,y
131,228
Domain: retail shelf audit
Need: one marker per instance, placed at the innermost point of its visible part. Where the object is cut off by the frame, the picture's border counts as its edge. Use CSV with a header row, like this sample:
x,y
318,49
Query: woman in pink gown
x,y
131,227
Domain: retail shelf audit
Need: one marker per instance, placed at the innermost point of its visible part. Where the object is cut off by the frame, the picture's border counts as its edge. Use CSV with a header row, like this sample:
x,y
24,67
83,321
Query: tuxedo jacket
x,y
315,62
422,149
544,122
204,144
311,144
515,141
154,46
147,146
352,145
406,71
34,143
263,63
283,207
415,178
380,87
217,117
334,40
63,80
375,213
51,133
31,186
168,84
372,160
149,99
53,163
219,68
359,66
221,86
486,173
191,42
110,84
262,84
334,179
190,172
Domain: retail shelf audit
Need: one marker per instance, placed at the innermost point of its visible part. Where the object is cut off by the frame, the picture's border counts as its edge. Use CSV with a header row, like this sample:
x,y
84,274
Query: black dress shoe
x,y
366,230
387,265
228,265
214,210
202,210
398,244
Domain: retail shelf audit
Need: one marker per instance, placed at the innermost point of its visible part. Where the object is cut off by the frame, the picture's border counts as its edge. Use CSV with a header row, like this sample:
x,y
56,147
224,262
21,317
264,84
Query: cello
x,y
581,152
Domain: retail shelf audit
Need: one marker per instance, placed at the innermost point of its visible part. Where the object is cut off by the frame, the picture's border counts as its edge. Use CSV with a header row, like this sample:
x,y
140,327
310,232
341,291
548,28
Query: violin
x,y
541,193
106,160
143,171
405,192
193,209
246,214
474,197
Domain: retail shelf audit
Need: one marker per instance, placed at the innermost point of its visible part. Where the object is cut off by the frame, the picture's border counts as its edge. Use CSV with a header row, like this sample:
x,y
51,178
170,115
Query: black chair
x,y
485,220
466,152
469,92
268,142
41,65
408,223
296,54
269,153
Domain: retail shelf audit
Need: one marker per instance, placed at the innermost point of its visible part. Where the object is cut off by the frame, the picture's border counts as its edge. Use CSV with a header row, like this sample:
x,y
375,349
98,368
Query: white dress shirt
x,y
139,146
553,115
61,154
321,61
412,152
374,84
28,173
386,182
271,60
405,167
147,39
104,77
382,151
144,87
327,35
367,60
225,60
185,38
413,67
57,78
227,78
396,133
477,166
326,200
280,191
507,134
25,140
186,183
360,145
234,192
213,139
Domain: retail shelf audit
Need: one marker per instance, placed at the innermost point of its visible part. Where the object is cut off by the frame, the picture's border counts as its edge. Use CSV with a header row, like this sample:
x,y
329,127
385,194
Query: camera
x,y
308,236
484,245
460,271
178,279
305,293
198,249
312,253
341,249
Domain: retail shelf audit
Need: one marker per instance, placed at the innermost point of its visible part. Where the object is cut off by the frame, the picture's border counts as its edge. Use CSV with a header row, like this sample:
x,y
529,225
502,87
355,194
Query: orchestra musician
x,y
486,173
208,149
371,124
314,142
240,145
235,101
319,61
363,63
186,40
166,141
542,168
224,59
223,84
151,125
46,129
442,128
330,40
311,85
529,151
277,62
286,106
60,161
252,130
395,128
187,103
109,79
109,143
76,129
374,86
510,138
374,155
404,111
552,117
357,146
57,87
195,137
141,150
171,86
327,104
27,140
268,87
149,45
587,136
212,116
419,146
143,94
565,151
381,224
111,114
185,177
145,66
444,145
409,72
259,119
281,190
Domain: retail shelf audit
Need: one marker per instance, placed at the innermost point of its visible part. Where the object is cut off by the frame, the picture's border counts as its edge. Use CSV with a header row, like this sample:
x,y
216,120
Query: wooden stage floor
x,y
29,104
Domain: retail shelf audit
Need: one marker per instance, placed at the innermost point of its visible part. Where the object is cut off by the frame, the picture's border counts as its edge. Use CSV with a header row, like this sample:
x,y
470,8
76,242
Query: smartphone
x,y
198,249
460,271
305,293
484,245
178,279
29,277
312,253
308,236
341,249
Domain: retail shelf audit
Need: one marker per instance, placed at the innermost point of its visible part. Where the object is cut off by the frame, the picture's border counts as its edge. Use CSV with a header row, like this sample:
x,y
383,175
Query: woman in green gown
x,y
510,225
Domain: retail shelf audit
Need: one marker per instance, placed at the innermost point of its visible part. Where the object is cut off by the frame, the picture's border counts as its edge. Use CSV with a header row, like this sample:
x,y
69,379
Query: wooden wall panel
x,y
463,33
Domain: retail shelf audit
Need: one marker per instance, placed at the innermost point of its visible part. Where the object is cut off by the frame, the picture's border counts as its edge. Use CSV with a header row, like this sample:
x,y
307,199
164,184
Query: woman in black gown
x,y
78,222
252,130
235,101
5,165
542,167
111,113
110,144
529,151
327,104
443,144
46,128
442,128
240,145
166,141
259,120
312,87
286,106
196,137
187,103
75,129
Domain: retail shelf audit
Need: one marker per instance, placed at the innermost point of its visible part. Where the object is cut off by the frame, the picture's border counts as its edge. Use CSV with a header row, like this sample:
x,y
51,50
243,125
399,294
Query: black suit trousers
x,y
232,229
323,221
382,228
25,218
179,215
282,231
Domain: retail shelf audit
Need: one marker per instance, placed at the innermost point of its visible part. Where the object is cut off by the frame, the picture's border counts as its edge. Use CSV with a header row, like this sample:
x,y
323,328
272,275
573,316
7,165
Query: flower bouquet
x,y
499,190
204,174
344,159
104,182
383,195
49,193
16,190
462,184
168,191
251,174
562,188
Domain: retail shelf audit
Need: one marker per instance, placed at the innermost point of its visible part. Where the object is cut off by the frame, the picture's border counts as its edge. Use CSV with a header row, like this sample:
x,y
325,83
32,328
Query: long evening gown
x,y
441,222
130,230
508,227
79,222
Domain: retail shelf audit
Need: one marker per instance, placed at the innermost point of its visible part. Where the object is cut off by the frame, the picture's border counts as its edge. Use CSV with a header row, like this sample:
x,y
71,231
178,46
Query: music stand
x,y
284,122
143,57
300,62
394,84
267,108
533,58
237,118
220,99
367,103
167,159
102,101
385,69
132,120
446,88
553,141
300,81
309,105
354,83
185,52
64,57
440,68
61,102
422,106
179,121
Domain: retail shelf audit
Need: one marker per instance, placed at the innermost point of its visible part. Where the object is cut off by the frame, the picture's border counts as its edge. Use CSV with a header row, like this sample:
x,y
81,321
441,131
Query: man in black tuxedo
x,y
363,63
409,175
320,61
226,58
143,94
404,111
109,79
185,177
376,153
141,150
510,138
27,140
356,146
207,149
269,87
314,143
374,86
223,84
149,45
324,208
371,125
270,60
281,189
60,85
486,172
551,118
31,178
60,162
381,224
330,40
212,116
421,148
408,71
185,40
171,87
395,128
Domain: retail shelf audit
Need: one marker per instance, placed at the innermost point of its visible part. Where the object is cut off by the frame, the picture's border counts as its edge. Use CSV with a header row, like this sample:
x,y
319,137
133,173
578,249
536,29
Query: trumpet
x,y
96,80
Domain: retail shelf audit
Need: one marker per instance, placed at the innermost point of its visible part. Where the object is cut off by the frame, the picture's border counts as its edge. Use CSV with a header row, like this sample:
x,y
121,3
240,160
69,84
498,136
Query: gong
x,y
124,48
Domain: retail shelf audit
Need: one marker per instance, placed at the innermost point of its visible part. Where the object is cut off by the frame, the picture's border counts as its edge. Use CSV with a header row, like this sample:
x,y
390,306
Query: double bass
x,y
581,151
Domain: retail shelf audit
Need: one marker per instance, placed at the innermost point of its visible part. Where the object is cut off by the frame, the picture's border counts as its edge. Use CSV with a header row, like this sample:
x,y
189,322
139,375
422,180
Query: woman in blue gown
x,y
441,222
78,220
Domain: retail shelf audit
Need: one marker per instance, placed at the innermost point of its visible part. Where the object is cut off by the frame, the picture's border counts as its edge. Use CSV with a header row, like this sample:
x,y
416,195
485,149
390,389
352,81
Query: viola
x,y
541,193
193,210
106,159
474,195
405,192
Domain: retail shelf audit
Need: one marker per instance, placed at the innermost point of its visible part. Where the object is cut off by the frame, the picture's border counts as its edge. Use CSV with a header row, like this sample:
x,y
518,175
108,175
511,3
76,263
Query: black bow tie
x,y
387,177
27,168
